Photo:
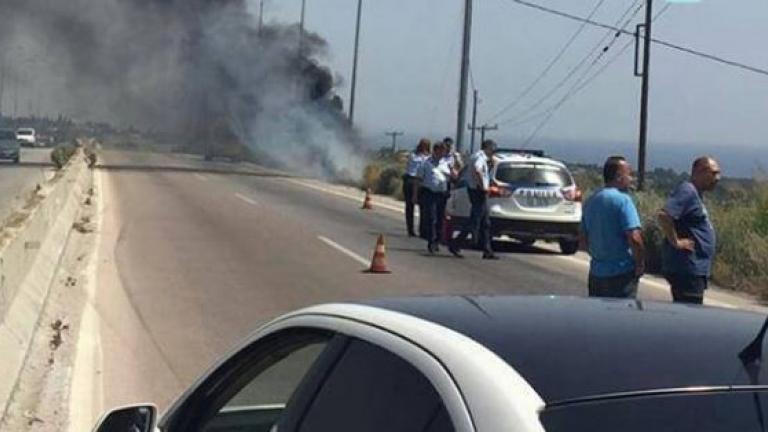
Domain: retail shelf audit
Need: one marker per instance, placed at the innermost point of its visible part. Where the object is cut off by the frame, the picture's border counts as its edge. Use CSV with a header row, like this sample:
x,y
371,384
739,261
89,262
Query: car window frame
x,y
419,357
210,393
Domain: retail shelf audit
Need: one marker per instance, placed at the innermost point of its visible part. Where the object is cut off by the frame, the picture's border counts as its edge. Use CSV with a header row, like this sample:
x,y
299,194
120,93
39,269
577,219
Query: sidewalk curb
x,y
28,264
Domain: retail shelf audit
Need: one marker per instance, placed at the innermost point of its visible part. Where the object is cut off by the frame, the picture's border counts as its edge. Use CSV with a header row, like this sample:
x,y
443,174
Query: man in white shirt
x,y
410,194
433,176
478,179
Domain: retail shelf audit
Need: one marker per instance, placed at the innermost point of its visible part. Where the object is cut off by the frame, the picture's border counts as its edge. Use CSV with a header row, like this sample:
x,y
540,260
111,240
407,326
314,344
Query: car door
x,y
372,389
311,379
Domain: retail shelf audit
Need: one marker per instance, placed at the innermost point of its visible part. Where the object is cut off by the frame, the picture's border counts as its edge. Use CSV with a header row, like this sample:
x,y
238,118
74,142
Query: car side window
x,y
371,389
259,404
252,390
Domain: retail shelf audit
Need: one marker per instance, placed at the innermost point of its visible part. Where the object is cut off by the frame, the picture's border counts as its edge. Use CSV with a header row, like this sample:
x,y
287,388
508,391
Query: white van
x,y
26,137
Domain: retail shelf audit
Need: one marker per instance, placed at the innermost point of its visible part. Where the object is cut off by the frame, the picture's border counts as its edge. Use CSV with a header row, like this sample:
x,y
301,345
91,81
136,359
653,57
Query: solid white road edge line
x,y
346,195
246,199
201,177
343,250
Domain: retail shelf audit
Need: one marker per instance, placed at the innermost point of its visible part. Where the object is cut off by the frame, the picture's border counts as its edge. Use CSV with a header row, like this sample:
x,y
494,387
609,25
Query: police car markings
x,y
246,199
343,250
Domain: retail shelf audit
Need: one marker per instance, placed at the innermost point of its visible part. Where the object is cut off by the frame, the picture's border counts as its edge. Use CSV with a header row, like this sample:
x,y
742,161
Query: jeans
x,y
479,223
620,286
687,288
434,216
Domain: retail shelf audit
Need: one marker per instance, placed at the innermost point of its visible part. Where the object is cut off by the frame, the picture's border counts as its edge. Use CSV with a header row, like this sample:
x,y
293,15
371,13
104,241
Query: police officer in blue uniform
x,y
478,179
433,177
415,159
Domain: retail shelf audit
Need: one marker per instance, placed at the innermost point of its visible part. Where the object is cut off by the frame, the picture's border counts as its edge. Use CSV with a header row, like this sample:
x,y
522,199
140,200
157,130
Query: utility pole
x,y
463,83
261,15
473,126
301,27
15,98
485,128
2,85
354,64
644,95
394,135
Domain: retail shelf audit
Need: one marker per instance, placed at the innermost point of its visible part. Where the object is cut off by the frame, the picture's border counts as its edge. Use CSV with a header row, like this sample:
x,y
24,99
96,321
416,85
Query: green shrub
x,y
61,155
390,182
371,174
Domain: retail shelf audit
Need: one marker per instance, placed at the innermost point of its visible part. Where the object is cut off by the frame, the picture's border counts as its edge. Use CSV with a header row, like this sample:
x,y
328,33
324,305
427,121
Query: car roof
x,y
572,348
521,157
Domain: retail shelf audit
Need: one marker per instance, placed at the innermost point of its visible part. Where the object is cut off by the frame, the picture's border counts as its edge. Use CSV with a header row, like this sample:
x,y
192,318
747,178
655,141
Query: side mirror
x,y
135,418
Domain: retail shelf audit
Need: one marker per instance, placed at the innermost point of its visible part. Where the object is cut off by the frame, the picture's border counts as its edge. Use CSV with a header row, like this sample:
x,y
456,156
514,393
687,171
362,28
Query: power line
x,y
584,82
671,45
624,21
551,64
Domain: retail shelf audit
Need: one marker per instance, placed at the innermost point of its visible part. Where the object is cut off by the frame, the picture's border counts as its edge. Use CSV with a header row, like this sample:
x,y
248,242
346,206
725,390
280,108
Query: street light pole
x,y
644,96
464,80
354,64
301,27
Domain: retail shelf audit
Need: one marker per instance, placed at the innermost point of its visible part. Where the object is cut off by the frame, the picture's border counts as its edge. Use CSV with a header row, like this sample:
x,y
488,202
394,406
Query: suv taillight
x,y
572,194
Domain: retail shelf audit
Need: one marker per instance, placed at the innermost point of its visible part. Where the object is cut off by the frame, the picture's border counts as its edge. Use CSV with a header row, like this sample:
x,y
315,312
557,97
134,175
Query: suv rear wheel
x,y
569,247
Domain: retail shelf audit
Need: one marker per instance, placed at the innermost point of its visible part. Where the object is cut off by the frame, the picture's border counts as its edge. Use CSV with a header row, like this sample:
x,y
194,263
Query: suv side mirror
x,y
134,418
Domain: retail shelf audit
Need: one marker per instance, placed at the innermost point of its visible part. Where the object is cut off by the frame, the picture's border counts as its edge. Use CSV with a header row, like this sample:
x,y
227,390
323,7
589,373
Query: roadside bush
x,y
384,179
61,155
390,182
648,205
371,175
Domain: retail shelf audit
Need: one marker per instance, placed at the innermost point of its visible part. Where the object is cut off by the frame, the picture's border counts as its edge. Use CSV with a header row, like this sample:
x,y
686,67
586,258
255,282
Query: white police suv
x,y
532,197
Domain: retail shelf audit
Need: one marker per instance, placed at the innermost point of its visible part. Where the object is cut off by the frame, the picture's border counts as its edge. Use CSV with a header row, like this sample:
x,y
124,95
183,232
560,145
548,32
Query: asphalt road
x,y
192,262
17,179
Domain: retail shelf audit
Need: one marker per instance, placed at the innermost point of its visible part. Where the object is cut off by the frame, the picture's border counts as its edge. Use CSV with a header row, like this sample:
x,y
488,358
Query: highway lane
x,y
17,179
192,262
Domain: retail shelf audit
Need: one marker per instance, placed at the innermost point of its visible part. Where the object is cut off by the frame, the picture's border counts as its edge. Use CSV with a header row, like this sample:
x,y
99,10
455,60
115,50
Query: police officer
x,y
434,176
478,179
451,156
410,194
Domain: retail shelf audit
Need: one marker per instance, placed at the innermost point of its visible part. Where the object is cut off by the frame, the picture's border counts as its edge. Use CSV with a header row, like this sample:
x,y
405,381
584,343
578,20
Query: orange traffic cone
x,y
367,205
379,261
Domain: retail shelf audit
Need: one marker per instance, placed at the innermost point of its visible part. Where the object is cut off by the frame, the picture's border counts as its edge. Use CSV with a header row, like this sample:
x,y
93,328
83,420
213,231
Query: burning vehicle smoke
x,y
200,69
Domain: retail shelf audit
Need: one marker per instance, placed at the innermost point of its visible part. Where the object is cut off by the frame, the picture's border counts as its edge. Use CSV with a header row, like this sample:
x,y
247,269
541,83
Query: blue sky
x,y
410,54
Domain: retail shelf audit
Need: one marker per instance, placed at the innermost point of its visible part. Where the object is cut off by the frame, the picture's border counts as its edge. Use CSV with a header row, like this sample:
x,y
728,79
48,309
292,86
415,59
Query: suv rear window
x,y
533,174
7,135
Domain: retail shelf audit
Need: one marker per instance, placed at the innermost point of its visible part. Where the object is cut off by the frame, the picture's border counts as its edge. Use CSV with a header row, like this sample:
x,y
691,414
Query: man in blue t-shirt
x,y
690,237
611,232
